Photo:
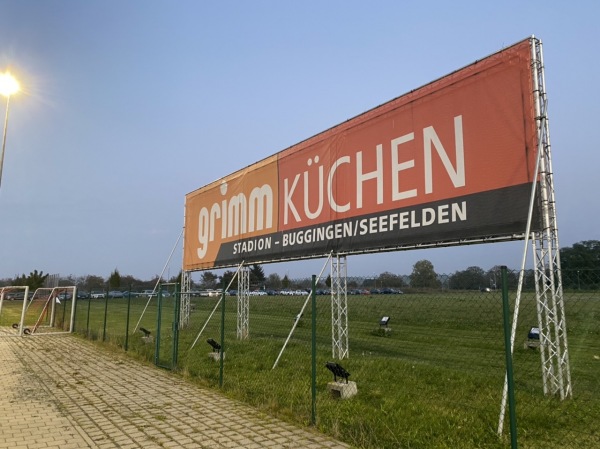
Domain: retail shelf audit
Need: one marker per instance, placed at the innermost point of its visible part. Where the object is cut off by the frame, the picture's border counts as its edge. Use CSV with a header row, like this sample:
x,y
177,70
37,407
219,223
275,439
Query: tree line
x,y
580,270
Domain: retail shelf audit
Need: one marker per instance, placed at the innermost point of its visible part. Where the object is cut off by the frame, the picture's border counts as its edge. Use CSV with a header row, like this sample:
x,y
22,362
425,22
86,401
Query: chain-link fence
x,y
136,320
431,375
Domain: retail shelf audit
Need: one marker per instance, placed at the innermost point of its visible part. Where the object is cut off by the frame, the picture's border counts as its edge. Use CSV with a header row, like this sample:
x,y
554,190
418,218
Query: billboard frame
x,y
554,354
543,237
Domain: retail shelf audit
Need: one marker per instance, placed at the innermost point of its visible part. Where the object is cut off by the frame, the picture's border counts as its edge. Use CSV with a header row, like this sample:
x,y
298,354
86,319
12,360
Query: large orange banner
x,y
451,161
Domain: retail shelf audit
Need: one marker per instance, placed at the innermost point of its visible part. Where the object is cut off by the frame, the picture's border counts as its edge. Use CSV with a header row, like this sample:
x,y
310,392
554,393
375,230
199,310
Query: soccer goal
x,y
48,310
10,309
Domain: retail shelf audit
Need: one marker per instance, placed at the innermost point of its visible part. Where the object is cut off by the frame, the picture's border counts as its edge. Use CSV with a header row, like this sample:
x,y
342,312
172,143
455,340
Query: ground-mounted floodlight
x,y
216,353
534,333
147,337
216,346
383,330
337,370
533,338
342,390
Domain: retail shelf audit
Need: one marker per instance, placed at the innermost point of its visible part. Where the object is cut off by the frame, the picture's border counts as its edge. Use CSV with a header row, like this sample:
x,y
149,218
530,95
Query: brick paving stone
x,y
59,391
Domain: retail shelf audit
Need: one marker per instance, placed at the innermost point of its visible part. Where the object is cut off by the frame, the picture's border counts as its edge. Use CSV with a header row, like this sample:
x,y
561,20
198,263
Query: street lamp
x,y
8,86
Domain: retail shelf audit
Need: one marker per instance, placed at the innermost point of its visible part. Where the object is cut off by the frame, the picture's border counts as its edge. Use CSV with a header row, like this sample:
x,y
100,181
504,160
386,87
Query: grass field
x,y
433,381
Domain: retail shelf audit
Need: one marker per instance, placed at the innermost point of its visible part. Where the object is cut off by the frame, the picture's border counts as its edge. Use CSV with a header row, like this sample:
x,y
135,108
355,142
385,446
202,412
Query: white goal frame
x,y
10,288
51,300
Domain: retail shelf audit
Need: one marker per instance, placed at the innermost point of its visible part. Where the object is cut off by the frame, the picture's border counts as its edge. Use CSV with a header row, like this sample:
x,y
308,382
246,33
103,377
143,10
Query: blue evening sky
x,y
129,105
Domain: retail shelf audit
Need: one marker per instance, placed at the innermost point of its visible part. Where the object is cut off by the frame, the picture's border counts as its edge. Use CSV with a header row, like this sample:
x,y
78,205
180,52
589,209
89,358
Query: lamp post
x,y
8,86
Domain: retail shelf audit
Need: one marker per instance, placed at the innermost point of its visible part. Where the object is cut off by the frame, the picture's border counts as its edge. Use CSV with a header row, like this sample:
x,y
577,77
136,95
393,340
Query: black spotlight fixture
x,y
216,346
534,333
337,370
533,338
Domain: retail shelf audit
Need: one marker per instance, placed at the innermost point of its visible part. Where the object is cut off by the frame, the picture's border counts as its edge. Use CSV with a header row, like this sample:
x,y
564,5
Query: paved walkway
x,y
58,391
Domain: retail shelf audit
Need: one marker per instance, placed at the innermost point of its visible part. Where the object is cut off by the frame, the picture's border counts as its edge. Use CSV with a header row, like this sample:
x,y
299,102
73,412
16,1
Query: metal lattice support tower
x,y
556,372
339,308
243,304
186,287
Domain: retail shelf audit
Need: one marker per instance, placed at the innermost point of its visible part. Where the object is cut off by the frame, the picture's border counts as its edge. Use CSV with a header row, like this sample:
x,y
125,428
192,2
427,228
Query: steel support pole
x,y
509,365
4,137
313,294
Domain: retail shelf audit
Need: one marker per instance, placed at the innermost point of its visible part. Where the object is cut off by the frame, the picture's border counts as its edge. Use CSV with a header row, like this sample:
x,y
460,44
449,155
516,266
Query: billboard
x,y
449,163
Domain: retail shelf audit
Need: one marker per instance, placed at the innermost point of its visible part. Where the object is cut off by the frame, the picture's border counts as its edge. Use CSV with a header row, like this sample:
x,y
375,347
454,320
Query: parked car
x,y
115,294
328,292
98,295
127,294
391,291
64,296
82,295
14,295
257,293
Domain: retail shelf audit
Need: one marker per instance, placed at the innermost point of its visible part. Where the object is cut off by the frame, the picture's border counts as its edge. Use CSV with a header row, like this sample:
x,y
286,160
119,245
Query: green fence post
x,y
509,366
105,315
87,324
158,319
62,325
176,324
74,313
127,320
222,353
313,294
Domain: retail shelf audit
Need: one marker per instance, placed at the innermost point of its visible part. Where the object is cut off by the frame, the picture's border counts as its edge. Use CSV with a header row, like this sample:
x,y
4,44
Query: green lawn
x,y
433,381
